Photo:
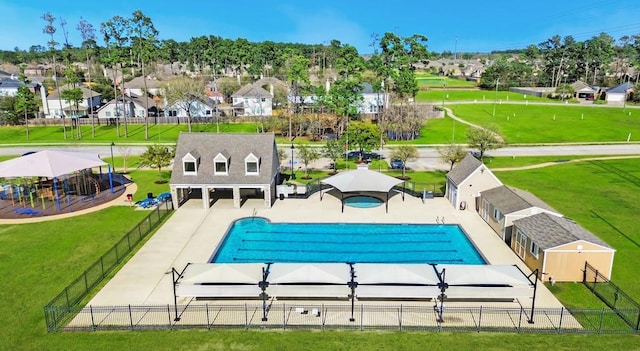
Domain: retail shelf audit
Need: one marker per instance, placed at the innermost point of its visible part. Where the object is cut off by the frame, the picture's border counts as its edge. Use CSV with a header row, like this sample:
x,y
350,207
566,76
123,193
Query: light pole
x,y
292,175
112,164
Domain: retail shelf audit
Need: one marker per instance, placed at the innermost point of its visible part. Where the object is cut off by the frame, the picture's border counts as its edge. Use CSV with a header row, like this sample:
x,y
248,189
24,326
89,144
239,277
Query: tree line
x,y
600,60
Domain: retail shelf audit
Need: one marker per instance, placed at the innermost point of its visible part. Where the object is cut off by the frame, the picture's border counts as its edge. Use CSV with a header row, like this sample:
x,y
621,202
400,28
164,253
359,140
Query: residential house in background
x,y
620,94
218,167
197,108
372,101
252,100
583,91
559,247
54,102
467,180
9,86
136,86
501,205
129,106
211,90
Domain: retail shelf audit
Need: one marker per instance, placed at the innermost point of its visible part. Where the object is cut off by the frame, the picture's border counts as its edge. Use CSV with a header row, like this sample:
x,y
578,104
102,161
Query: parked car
x,y
366,156
475,153
396,164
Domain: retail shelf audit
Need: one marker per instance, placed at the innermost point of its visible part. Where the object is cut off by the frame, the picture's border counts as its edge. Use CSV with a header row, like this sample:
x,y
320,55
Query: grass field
x,y
555,123
440,95
38,260
429,80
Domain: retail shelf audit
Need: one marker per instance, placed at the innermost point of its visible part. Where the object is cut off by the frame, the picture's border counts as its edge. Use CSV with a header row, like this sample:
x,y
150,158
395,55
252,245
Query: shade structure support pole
x,y
352,285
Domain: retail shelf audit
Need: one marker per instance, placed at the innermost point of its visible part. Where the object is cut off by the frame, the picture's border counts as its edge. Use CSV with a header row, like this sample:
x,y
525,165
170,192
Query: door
x,y
521,244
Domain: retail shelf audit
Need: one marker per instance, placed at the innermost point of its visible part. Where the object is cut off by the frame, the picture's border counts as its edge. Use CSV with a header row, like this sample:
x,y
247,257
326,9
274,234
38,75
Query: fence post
x,y
561,315
400,321
284,316
520,319
361,317
206,306
601,321
324,313
130,317
93,323
246,317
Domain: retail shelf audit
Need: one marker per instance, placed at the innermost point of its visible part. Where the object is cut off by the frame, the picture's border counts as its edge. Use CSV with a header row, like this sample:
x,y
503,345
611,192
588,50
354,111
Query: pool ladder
x,y
440,220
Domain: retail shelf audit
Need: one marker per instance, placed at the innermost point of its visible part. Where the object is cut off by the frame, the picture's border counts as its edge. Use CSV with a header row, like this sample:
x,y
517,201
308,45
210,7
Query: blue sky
x,y
463,26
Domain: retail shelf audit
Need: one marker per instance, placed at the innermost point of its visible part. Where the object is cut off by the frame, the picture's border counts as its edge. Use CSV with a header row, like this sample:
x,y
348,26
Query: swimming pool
x,y
258,240
362,201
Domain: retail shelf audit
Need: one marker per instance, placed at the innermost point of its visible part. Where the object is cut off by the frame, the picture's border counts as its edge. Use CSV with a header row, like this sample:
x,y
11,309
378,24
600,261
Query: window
x,y
496,214
251,165
142,113
208,113
263,100
220,167
221,164
107,113
533,248
190,163
189,167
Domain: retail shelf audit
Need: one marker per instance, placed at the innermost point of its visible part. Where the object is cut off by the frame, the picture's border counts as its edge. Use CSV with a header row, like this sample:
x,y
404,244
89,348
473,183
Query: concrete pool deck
x,y
192,234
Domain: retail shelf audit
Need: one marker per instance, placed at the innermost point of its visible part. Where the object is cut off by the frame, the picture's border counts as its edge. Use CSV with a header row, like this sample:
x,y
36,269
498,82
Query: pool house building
x,y
211,166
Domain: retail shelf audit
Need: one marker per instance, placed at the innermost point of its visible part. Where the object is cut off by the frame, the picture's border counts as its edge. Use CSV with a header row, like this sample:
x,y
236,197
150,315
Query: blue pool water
x,y
362,201
258,240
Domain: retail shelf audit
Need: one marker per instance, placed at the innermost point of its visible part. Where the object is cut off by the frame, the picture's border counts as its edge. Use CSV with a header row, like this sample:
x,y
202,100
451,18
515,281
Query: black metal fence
x,y
298,315
611,294
58,310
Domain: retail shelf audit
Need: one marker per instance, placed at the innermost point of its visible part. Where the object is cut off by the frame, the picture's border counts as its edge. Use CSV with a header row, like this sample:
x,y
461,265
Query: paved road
x,y
428,159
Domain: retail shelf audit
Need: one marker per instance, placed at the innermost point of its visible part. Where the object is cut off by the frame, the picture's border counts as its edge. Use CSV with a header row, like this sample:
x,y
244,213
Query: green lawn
x,y
163,133
430,80
555,123
487,96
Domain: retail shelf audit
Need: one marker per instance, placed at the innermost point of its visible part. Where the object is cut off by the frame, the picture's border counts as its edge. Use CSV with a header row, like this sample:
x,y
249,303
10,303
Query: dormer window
x,y
221,165
190,163
251,165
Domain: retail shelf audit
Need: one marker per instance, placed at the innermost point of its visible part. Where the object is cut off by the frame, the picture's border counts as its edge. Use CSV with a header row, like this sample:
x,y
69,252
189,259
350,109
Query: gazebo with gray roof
x,y
246,164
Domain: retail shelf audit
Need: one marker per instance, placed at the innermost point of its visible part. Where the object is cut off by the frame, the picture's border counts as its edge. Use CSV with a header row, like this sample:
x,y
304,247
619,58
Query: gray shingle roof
x,y
251,91
464,169
236,147
86,92
621,89
509,200
549,231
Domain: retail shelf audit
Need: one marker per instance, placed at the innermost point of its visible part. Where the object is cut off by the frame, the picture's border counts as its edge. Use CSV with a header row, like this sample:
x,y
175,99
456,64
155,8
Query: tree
x,y
157,156
484,139
50,29
404,153
364,135
565,90
25,105
333,150
298,76
88,44
452,154
115,37
144,42
8,114
185,93
307,154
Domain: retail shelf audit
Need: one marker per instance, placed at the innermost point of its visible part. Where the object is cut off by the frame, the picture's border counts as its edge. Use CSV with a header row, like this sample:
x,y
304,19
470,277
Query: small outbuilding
x,y
466,180
500,206
559,247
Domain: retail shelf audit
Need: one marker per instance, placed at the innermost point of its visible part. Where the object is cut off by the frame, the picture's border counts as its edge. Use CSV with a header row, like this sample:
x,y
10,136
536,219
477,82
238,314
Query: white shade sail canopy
x,y
362,180
221,280
48,163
